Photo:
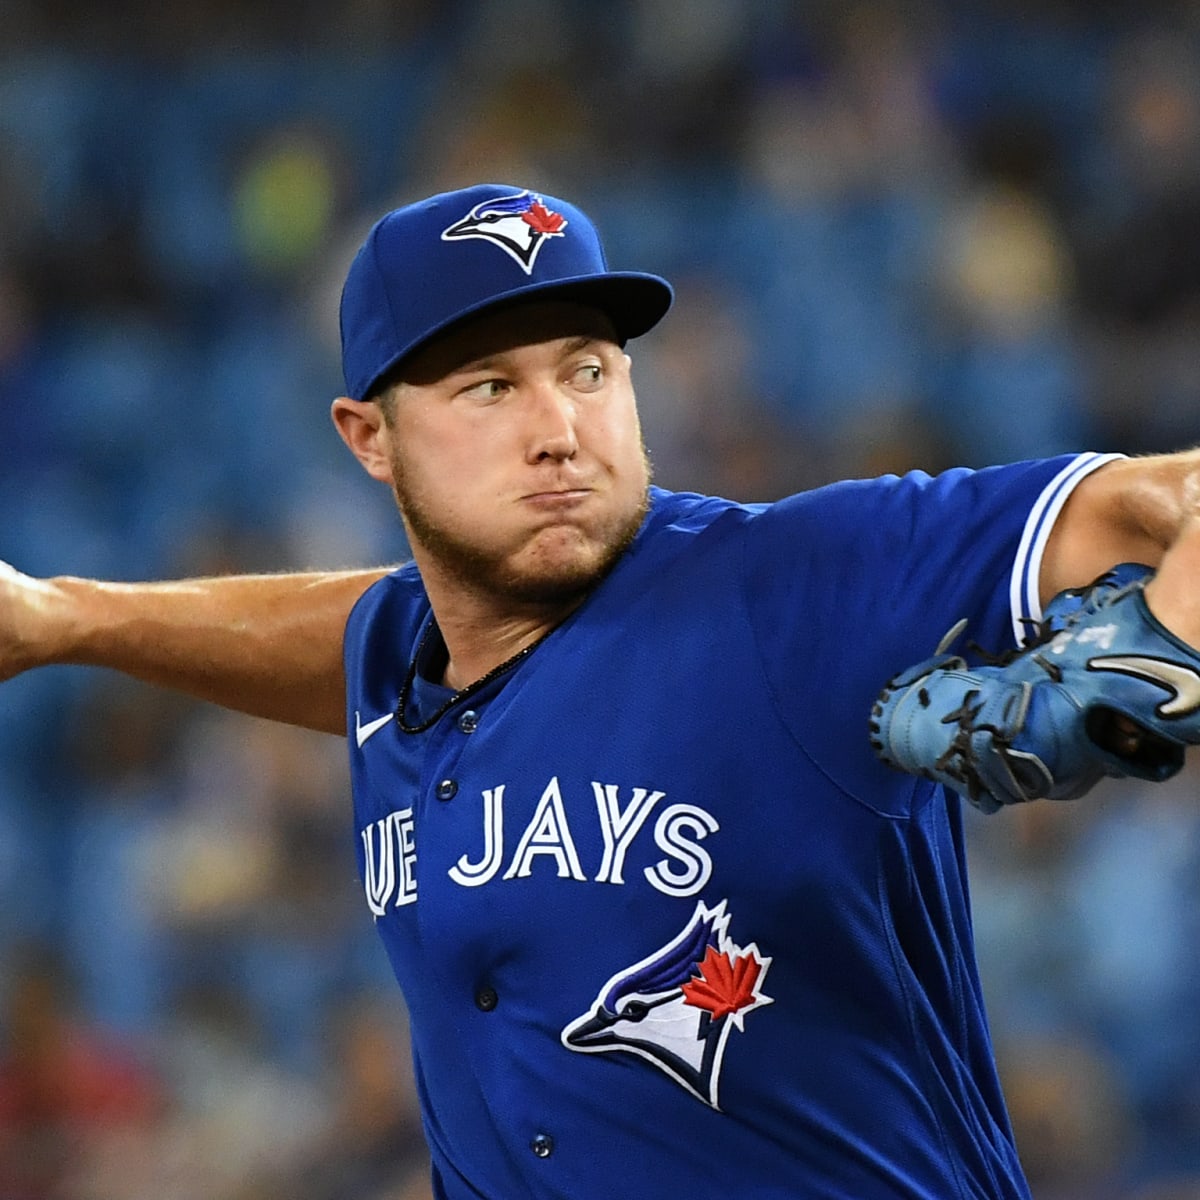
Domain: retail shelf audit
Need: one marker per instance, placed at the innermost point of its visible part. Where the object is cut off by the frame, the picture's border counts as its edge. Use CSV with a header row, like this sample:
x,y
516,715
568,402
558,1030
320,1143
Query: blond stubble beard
x,y
484,573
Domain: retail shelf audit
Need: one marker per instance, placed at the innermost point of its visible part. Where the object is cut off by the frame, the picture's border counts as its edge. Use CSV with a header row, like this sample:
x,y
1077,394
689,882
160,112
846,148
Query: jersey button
x,y
542,1145
468,722
486,999
447,789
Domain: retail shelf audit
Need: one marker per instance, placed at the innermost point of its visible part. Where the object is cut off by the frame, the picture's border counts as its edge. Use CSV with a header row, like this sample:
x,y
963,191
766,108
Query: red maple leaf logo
x,y
541,220
725,985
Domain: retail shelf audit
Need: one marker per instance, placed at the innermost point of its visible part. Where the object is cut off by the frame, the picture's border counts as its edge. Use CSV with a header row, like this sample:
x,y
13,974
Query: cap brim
x,y
634,301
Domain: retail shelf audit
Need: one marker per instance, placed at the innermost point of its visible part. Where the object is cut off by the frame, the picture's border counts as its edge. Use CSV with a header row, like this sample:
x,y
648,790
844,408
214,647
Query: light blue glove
x,y
1101,688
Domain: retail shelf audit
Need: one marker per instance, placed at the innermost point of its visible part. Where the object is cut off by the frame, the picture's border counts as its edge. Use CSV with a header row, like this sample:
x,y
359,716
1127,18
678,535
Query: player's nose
x,y
551,415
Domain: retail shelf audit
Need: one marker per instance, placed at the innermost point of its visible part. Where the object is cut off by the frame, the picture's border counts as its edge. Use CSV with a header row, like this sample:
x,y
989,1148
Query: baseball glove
x,y
1100,688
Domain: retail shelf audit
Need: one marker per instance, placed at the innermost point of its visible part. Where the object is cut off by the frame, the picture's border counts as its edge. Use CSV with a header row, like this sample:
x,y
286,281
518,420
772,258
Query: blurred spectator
x,y
1138,245
64,1084
1011,388
119,756
372,1145
1072,1127
1134,903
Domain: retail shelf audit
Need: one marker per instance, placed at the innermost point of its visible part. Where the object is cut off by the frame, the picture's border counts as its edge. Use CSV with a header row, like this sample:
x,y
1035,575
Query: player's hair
x,y
384,394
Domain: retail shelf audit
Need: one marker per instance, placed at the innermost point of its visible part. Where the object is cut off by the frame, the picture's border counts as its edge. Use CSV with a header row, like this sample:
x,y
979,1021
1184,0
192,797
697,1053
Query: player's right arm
x,y
269,645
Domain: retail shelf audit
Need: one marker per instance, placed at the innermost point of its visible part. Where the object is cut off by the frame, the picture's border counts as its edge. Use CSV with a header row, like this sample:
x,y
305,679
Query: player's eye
x,y
588,376
485,389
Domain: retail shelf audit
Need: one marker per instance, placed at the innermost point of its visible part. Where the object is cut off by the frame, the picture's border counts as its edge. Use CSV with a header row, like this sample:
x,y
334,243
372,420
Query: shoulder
x,y
887,565
680,527
689,511
397,602
396,586
902,509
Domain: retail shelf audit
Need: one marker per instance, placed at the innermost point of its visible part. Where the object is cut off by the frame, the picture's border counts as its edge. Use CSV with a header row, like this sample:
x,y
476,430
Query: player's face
x,y
516,453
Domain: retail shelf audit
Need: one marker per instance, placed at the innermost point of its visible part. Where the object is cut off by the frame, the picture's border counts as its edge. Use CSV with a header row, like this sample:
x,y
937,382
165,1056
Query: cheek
x,y
614,428
426,456
447,481
623,440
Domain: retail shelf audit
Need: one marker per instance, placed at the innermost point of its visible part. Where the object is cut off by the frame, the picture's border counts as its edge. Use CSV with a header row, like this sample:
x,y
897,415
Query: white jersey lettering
x,y
547,833
389,861
390,852
668,834
619,827
471,874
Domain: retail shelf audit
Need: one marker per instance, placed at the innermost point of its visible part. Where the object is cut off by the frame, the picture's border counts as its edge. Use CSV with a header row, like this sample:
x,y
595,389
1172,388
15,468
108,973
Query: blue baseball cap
x,y
427,266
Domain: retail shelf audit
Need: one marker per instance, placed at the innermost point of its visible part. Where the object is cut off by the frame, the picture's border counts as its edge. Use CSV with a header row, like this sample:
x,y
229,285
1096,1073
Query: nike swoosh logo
x,y
362,732
1183,682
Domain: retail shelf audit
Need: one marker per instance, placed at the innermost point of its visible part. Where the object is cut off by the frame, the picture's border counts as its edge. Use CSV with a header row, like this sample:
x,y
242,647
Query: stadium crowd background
x,y
911,234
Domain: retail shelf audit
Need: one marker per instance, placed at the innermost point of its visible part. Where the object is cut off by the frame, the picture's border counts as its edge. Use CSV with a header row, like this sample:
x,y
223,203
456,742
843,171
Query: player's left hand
x,y
1103,688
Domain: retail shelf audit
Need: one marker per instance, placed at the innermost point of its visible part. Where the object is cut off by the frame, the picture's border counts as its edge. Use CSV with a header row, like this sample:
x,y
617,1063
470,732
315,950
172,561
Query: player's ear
x,y
362,427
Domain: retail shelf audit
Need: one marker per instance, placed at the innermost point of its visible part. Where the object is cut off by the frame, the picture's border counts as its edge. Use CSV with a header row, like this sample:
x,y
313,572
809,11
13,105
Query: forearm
x,y
1174,593
1143,510
1131,510
270,645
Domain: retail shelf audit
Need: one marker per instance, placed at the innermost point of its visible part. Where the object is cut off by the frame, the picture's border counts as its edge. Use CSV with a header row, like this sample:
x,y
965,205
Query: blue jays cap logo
x,y
677,1007
518,224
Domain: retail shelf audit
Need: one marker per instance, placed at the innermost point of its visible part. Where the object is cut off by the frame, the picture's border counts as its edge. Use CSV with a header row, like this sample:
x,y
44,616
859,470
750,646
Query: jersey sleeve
x,y
852,583
379,641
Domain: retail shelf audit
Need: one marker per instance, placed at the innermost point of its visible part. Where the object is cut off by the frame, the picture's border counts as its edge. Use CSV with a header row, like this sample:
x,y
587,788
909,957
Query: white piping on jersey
x,y
1024,600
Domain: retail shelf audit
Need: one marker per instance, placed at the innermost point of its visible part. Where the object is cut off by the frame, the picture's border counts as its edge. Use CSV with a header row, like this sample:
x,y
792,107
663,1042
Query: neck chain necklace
x,y
411,674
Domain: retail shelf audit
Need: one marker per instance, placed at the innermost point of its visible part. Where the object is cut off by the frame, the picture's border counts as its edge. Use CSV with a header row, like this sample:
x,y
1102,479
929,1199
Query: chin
x,y
552,575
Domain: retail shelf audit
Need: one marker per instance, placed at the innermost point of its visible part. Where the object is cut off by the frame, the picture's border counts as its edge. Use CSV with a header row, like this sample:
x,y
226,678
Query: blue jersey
x,y
664,925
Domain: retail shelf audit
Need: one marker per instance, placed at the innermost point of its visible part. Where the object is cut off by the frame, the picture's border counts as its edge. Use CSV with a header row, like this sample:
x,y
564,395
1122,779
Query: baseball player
x,y
667,919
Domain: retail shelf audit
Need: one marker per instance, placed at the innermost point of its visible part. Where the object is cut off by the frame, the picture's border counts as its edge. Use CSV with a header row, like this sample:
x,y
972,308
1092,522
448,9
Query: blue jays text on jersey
x,y
389,857
663,923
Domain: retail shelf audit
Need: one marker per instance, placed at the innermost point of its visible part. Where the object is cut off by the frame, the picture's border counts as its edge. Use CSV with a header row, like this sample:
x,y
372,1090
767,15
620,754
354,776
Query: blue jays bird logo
x,y
677,1007
518,224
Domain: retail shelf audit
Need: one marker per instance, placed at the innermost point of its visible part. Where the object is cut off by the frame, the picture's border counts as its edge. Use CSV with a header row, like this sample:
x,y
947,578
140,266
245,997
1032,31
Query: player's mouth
x,y
557,498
